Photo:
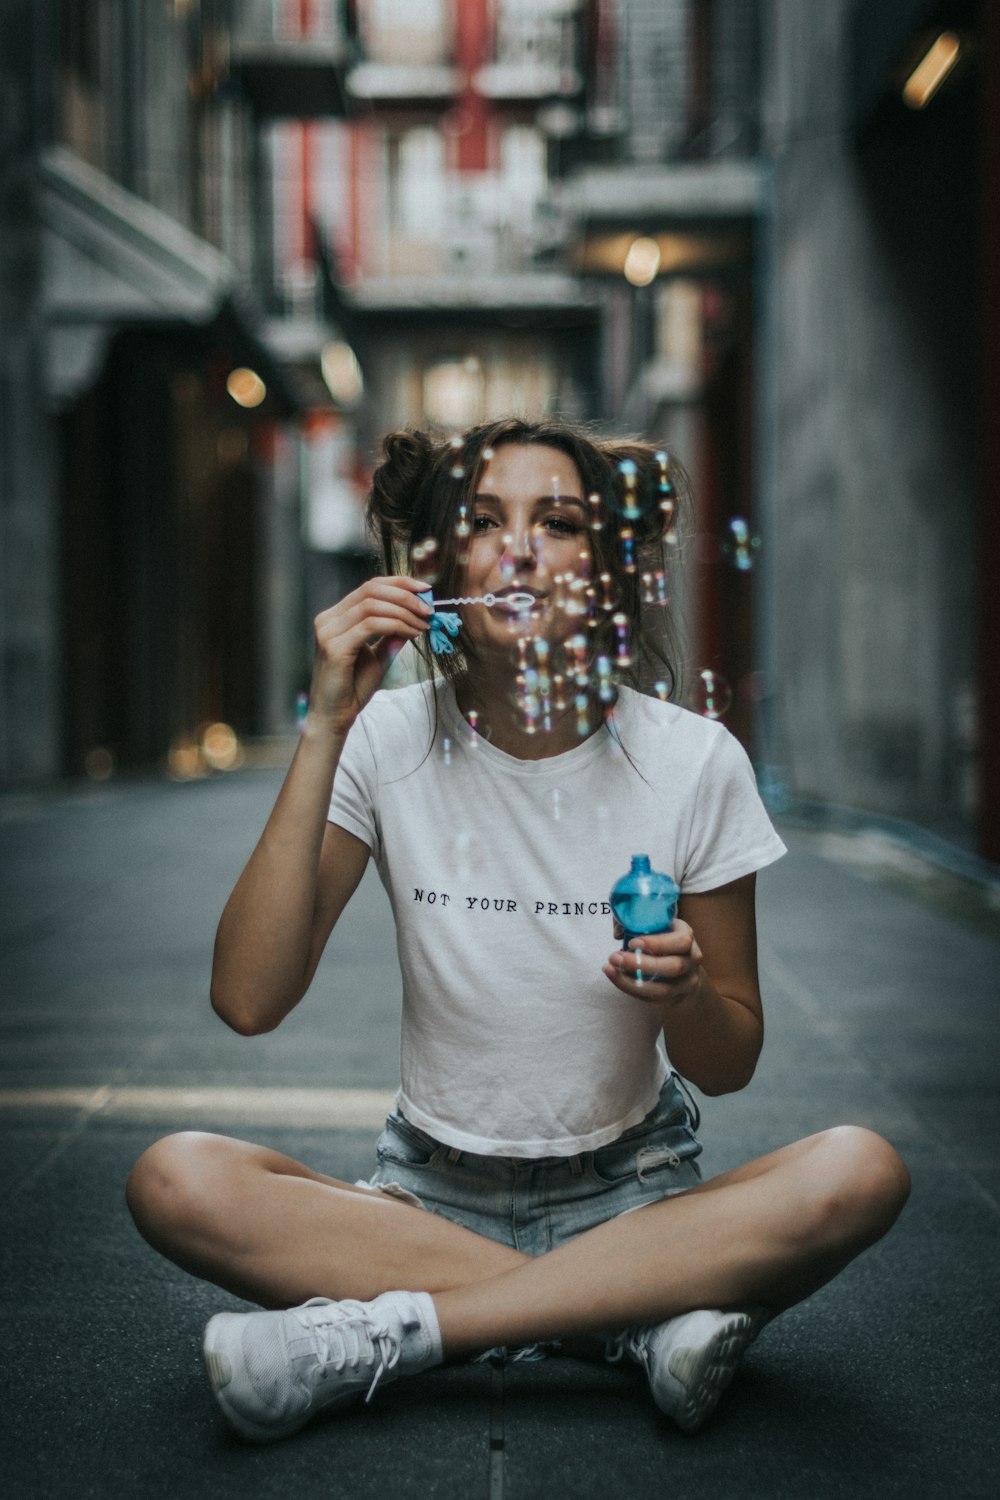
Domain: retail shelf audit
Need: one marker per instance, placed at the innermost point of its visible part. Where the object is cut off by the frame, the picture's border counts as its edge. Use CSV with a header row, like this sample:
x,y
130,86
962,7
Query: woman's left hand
x,y
663,968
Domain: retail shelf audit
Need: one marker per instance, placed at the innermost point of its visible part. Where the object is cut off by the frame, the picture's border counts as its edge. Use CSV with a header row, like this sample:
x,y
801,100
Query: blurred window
x,y
453,392
536,33
523,168
511,376
409,32
417,183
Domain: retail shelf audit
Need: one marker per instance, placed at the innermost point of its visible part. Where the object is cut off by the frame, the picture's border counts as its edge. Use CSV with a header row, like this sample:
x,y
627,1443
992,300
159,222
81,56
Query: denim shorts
x,y
537,1203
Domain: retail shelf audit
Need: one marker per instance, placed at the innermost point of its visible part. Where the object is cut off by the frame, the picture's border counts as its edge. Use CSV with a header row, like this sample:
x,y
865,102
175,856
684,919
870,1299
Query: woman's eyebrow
x,y
559,499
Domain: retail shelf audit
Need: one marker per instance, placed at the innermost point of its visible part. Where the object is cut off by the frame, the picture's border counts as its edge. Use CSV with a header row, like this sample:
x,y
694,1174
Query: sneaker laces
x,y
339,1334
629,1341
518,1354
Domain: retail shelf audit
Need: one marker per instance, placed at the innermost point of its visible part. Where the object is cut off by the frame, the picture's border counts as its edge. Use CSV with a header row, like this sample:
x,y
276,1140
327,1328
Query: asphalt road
x,y
882,1010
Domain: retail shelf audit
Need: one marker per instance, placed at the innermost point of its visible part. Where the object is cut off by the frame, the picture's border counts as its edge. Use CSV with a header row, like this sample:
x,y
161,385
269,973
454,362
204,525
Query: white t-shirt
x,y
514,1043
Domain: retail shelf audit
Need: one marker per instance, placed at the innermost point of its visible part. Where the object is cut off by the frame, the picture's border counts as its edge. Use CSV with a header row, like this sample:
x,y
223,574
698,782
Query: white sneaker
x,y
691,1359
272,1371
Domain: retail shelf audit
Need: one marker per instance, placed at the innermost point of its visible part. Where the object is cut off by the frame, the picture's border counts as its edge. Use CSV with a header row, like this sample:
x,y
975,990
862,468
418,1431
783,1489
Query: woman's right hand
x,y
355,642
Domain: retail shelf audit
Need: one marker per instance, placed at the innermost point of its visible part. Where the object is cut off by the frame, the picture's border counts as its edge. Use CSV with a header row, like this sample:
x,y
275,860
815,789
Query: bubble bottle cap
x,y
644,900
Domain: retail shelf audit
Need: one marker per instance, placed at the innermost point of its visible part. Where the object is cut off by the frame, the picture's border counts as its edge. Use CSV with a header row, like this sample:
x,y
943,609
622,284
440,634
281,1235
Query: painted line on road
x,y
332,1108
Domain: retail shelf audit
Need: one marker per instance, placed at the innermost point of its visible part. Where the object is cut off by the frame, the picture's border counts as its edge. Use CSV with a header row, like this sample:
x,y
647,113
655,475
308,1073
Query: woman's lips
x,y
519,601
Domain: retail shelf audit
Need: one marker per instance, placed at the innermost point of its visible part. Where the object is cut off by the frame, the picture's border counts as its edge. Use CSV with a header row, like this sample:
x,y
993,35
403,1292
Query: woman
x,y
537,1181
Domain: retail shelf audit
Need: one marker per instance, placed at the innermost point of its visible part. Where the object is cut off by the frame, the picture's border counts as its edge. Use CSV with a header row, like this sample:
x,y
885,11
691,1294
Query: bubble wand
x,y
444,625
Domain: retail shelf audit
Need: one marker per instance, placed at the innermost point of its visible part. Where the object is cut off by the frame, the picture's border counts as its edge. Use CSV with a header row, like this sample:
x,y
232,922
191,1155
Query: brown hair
x,y
422,483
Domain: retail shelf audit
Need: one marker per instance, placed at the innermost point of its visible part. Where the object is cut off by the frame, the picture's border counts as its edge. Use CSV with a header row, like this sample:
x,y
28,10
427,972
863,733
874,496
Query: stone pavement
x,y
882,1010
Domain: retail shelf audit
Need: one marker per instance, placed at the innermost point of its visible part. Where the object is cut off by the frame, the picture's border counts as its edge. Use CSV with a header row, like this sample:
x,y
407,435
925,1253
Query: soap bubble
x,y
665,491
740,544
569,594
632,495
605,678
423,560
654,587
623,656
626,536
527,698
575,652
711,694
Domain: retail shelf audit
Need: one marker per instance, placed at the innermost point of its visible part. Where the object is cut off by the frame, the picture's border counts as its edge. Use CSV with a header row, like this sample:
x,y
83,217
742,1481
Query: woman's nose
x,y
519,549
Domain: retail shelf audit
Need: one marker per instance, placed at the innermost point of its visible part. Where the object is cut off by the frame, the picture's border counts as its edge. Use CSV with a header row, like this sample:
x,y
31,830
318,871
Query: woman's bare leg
x,y
766,1234
264,1226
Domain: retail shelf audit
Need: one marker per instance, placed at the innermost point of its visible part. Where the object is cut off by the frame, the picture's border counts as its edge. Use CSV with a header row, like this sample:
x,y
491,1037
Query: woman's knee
x,y
863,1184
176,1185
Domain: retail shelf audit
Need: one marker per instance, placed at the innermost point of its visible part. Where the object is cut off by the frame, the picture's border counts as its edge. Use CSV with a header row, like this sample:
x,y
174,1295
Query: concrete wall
x,y
871,437
29,556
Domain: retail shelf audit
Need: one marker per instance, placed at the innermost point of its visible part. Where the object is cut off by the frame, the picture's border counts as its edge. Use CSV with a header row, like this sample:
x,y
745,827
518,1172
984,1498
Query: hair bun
x,y
407,458
409,450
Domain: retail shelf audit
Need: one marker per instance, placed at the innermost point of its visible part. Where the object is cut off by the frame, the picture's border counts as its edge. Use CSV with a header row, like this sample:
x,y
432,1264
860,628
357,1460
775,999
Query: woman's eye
x,y
561,526
483,523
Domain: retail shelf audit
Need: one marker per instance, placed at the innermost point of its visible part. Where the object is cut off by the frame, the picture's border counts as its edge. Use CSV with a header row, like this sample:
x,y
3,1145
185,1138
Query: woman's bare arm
x,y
284,906
304,870
705,986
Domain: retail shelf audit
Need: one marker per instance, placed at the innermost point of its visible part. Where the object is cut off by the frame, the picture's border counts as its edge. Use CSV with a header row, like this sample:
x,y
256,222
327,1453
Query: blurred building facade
x,y
710,221
156,426
503,169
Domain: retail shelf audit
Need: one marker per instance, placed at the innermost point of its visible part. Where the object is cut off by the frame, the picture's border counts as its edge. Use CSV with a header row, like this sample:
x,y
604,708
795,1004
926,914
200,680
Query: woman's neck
x,y
497,718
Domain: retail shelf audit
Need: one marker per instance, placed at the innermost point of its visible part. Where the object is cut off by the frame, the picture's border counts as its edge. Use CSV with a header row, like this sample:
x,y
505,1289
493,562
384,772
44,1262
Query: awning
x,y
301,78
111,260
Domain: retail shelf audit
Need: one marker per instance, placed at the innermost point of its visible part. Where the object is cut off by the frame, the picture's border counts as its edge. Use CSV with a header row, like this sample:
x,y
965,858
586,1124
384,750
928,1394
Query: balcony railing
x,y
536,51
321,21
477,228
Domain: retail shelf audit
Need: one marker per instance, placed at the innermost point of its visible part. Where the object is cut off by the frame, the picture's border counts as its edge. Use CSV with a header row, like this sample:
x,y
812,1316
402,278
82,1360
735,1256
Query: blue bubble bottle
x,y
644,901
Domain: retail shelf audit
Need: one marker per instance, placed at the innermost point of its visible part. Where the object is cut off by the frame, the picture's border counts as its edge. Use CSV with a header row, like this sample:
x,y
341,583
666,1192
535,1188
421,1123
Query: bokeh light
x,y
246,387
99,763
642,261
221,748
185,761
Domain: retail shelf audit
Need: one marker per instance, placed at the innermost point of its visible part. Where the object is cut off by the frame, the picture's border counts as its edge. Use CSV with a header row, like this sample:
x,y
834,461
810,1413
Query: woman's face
x,y
530,536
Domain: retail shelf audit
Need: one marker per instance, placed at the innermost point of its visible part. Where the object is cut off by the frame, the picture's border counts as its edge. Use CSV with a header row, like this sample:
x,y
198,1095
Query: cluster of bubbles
x,y
585,677
546,688
636,497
